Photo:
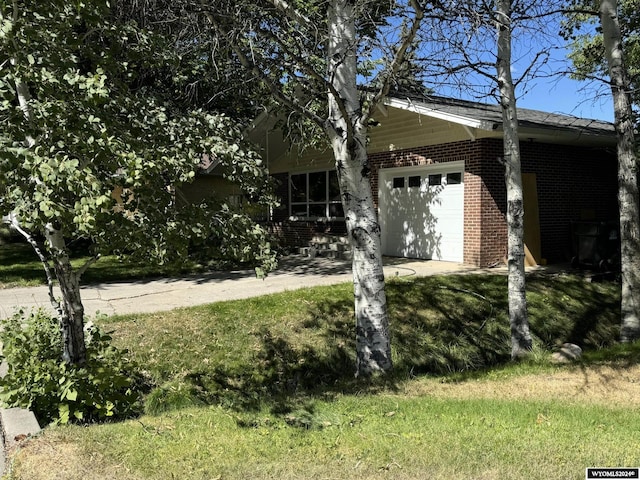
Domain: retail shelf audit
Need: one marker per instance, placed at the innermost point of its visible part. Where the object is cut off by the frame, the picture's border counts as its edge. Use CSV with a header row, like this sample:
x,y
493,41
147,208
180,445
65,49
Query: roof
x,y
488,117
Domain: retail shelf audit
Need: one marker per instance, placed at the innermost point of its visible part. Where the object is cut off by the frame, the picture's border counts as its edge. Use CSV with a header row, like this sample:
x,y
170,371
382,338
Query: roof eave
x,y
527,128
422,109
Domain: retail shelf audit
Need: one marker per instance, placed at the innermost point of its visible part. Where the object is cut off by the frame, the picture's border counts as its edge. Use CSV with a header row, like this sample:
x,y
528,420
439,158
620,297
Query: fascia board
x,y
422,109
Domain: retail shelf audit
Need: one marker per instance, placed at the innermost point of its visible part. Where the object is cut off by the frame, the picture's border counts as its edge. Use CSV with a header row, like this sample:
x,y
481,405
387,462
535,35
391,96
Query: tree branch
x,y
530,67
87,264
12,221
398,58
252,67
291,12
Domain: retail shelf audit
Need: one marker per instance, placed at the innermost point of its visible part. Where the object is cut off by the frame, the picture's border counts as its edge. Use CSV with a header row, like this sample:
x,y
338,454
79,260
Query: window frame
x,y
309,203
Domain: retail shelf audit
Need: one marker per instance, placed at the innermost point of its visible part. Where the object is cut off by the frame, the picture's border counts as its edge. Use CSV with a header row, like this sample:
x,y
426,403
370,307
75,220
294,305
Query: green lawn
x,y
264,388
21,267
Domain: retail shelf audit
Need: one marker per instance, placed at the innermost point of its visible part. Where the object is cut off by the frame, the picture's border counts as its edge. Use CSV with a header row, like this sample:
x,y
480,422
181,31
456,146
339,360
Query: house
x,y
209,179
438,181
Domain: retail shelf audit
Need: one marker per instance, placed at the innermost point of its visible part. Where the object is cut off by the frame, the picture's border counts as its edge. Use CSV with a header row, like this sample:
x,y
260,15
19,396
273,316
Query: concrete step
x,y
327,246
337,247
335,253
330,239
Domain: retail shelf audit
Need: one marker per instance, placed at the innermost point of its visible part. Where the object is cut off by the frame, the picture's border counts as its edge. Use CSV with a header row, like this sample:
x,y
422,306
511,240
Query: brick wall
x,y
492,248
573,183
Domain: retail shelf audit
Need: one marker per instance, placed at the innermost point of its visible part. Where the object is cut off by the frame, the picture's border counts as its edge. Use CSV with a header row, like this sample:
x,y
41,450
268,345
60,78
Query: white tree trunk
x,y
347,131
71,310
628,198
521,342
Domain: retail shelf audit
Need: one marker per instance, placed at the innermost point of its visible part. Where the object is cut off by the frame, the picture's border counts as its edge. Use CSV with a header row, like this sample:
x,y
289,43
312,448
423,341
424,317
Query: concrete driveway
x,y
144,296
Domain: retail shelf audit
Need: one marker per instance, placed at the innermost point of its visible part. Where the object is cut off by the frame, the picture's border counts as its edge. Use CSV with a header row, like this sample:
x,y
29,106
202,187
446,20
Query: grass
x,y
264,388
381,436
21,267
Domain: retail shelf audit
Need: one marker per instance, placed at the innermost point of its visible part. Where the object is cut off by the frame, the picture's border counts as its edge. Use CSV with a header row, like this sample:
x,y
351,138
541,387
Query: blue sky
x,y
559,94
570,97
542,59
554,92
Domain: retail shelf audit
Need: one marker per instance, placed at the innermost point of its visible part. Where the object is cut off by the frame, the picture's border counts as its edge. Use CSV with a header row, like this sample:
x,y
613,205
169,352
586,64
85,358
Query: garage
x,y
422,211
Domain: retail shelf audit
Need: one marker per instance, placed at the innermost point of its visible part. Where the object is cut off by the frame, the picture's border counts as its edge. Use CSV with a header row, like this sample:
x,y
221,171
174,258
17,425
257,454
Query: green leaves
x,y
6,26
587,49
111,147
57,392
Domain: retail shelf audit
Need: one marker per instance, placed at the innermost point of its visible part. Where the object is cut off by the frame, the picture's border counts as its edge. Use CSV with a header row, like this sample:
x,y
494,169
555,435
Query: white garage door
x,y
422,211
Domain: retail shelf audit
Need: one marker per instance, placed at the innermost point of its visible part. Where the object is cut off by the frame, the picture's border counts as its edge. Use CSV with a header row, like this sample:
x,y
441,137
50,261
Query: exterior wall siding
x,y
401,130
398,131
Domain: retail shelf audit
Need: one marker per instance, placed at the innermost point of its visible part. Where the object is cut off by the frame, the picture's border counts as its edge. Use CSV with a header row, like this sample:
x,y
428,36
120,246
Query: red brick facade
x,y
573,183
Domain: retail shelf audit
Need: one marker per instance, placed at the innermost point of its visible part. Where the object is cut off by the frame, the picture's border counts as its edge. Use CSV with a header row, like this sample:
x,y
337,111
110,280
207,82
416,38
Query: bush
x,y
38,379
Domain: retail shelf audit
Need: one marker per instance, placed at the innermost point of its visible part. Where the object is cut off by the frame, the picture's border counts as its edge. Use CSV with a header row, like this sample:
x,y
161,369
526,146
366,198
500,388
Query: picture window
x,y
315,194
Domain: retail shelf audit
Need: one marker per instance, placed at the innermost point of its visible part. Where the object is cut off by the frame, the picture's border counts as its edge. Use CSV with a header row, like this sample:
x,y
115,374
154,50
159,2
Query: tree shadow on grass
x,y
285,371
440,325
568,309
448,324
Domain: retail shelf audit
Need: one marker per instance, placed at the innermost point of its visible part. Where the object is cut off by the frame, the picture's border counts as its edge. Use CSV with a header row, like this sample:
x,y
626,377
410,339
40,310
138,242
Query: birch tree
x,y
605,49
90,150
521,342
628,198
314,56
477,44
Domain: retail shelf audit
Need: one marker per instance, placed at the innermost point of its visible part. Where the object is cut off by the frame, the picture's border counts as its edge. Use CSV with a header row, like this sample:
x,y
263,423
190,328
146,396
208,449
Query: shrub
x,y
103,388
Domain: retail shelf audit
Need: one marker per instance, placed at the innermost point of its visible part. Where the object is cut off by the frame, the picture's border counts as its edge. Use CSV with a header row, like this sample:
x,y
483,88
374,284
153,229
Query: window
x,y
435,179
414,181
454,178
398,182
315,194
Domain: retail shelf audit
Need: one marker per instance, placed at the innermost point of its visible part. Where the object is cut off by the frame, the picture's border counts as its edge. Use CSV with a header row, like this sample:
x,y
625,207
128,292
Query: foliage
x,y
110,147
104,388
584,32
203,73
